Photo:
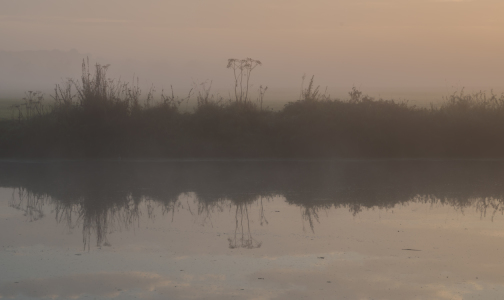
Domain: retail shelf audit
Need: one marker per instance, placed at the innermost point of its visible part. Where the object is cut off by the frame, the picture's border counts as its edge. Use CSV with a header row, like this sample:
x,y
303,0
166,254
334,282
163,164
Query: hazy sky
x,y
342,42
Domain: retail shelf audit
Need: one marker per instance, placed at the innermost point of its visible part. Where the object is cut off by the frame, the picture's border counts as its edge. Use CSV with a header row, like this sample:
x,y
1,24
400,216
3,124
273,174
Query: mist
x,y
260,149
393,49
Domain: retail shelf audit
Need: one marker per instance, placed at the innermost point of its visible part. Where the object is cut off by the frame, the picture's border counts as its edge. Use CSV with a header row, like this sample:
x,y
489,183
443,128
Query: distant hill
x,y
21,71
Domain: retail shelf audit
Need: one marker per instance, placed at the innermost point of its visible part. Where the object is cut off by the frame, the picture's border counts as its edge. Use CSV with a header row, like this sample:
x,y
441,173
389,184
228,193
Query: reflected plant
x,y
31,204
103,221
483,205
310,214
262,215
67,214
242,237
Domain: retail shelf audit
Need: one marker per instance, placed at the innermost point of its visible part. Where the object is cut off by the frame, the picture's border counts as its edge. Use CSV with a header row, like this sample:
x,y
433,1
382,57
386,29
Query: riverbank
x,y
100,119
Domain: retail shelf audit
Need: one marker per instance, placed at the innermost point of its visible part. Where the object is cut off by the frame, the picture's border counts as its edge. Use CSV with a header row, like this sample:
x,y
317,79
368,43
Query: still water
x,y
252,230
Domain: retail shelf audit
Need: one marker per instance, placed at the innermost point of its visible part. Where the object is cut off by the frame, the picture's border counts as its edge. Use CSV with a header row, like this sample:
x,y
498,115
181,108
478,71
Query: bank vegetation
x,y
97,117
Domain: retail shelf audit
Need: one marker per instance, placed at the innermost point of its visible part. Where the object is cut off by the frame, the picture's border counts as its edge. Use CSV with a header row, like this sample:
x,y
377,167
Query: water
x,y
252,230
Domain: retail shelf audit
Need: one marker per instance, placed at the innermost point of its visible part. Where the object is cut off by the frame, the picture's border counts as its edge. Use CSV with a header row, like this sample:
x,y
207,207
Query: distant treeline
x,y
96,117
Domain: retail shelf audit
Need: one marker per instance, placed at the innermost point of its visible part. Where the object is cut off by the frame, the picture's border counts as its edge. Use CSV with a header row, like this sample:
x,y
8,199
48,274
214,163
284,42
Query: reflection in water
x,y
102,197
310,214
94,219
29,203
75,286
242,235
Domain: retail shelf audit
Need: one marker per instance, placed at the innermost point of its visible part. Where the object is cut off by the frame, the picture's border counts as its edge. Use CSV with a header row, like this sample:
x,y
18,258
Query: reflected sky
x,y
252,230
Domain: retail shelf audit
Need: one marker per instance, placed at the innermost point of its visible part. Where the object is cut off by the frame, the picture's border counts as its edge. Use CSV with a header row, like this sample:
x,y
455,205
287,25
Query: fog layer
x,y
395,43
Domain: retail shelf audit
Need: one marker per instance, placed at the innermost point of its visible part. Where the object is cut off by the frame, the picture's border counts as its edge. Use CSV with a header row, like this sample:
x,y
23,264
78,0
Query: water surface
x,y
252,230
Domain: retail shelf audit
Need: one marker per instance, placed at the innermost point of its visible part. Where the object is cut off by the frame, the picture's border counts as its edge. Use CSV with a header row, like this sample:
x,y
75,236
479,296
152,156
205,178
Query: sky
x,y
366,43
